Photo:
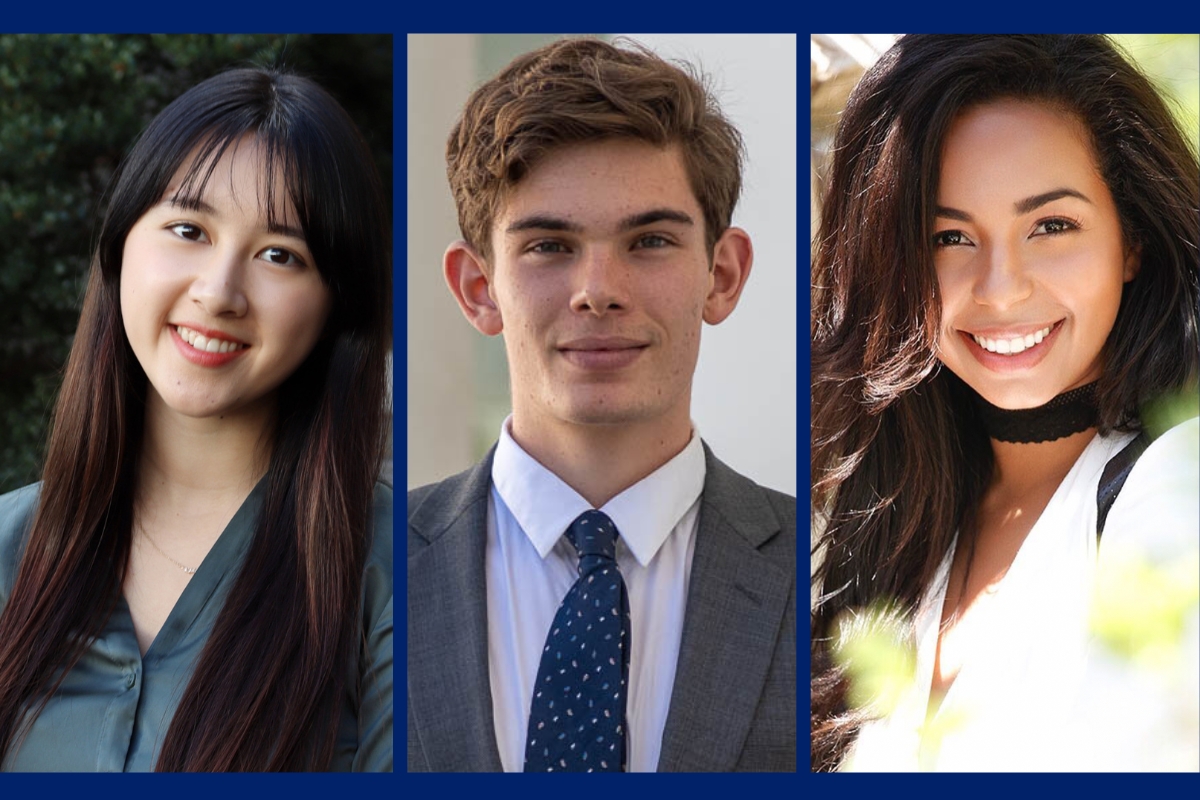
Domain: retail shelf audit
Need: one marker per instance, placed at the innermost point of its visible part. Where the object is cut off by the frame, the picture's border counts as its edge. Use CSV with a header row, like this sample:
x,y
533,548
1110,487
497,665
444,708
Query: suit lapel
x,y
737,600
449,694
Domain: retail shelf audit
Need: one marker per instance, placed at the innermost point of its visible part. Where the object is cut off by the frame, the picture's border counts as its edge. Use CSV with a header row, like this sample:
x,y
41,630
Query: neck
x,y
1034,448
1024,467
601,461
203,457
1069,413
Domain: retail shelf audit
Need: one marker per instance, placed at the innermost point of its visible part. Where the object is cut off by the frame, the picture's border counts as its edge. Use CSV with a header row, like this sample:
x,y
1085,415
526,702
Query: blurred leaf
x,y
879,658
1142,608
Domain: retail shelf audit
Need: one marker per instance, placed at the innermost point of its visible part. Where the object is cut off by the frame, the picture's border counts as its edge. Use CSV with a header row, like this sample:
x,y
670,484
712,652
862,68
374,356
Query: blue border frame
x,y
356,16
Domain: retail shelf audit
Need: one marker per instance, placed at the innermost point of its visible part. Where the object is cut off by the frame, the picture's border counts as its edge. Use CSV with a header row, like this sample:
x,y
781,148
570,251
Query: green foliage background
x,y
70,108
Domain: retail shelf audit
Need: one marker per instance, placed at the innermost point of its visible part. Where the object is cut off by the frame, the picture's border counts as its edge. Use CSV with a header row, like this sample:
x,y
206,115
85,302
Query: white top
x,y
1041,691
531,566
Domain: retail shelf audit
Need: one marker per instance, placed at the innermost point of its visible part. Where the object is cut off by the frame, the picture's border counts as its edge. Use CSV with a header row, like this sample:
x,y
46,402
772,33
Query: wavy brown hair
x,y
899,458
267,688
582,90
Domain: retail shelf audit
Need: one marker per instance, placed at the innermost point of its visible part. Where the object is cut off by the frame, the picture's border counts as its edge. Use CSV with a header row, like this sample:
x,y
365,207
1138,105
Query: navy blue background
x,y
399,18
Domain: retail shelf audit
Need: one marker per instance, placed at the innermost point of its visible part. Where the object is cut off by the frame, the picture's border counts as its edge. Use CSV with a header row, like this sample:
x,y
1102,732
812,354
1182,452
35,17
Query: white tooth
x,y
199,342
1037,337
1002,346
1016,345
212,345
225,347
1030,341
989,345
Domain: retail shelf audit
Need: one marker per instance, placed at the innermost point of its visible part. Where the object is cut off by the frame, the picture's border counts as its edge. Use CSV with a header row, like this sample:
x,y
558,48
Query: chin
x,y
1016,398
602,415
197,409
607,408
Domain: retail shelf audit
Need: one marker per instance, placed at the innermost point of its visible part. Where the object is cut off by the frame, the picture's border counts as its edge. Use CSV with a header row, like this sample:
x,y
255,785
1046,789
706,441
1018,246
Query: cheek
x,y
951,287
299,317
140,288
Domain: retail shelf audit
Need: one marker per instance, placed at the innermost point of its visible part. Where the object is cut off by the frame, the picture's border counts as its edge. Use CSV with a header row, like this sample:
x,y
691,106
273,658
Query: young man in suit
x,y
595,186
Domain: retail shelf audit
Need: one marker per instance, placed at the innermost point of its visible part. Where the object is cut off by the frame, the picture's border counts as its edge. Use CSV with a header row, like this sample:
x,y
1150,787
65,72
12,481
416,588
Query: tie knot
x,y
594,534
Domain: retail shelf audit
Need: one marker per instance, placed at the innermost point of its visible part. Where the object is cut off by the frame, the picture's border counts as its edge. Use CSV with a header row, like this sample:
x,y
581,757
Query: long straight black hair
x,y
899,459
267,688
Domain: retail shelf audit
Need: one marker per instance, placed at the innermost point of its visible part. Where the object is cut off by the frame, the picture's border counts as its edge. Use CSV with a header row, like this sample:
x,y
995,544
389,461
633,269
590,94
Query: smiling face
x,y
1029,254
218,309
599,281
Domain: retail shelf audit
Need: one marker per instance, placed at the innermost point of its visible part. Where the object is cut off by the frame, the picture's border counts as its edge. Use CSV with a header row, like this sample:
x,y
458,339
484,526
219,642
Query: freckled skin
x,y
654,295
1003,270
599,277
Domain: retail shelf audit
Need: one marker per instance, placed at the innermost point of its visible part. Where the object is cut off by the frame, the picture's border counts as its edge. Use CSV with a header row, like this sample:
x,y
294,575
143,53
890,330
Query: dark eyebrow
x,y
653,216
546,222
1030,203
952,213
543,222
197,204
1020,207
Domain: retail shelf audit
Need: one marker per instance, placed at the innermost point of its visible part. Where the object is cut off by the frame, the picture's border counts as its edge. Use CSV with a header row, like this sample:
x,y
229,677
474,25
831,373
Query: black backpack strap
x,y
1113,478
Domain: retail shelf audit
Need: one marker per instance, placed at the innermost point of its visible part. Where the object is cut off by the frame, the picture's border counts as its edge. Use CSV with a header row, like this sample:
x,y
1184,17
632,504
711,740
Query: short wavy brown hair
x,y
581,90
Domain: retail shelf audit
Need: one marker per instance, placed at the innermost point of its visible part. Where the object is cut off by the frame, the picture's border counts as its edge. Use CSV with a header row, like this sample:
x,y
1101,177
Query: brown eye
x,y
277,255
950,239
1051,227
185,230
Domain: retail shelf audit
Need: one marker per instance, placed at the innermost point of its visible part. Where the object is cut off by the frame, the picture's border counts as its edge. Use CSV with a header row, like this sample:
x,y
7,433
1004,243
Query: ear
x,y
467,276
1133,262
732,256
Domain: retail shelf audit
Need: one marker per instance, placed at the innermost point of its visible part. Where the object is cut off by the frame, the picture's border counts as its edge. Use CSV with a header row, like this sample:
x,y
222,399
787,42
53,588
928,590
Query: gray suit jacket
x,y
733,707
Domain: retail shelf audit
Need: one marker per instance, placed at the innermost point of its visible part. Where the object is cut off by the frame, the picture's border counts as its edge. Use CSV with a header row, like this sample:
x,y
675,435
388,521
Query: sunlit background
x,y
1144,674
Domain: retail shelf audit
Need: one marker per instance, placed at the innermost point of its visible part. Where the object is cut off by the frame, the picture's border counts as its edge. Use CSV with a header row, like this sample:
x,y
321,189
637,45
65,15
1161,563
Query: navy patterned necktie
x,y
577,716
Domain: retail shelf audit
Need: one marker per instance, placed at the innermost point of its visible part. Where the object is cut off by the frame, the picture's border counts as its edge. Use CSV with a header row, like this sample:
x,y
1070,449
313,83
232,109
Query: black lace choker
x,y
1069,413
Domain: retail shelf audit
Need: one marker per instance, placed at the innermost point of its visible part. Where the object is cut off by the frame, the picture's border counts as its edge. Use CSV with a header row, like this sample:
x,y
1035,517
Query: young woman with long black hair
x,y
1004,279
202,580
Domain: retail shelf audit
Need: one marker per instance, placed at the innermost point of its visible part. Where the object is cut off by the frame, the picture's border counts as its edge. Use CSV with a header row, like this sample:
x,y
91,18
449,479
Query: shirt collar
x,y
645,513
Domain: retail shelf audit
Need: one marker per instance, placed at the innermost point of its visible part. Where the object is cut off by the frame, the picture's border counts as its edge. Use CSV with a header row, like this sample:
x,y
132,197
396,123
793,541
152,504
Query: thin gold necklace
x,y
187,569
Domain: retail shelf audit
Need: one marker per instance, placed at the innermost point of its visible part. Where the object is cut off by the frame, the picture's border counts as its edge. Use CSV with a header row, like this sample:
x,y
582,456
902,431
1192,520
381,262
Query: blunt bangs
x,y
309,145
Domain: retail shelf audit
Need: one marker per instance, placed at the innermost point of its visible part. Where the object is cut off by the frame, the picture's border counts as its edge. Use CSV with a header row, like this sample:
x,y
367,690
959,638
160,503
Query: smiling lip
x,y
602,352
1011,349
194,341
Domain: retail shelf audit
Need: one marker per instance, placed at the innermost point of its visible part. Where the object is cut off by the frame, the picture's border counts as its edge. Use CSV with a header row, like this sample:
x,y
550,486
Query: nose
x,y
218,285
1002,279
602,283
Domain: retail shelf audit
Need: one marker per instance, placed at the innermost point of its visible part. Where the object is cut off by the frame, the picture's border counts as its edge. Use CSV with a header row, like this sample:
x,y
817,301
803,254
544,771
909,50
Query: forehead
x,y
597,184
242,181
1009,149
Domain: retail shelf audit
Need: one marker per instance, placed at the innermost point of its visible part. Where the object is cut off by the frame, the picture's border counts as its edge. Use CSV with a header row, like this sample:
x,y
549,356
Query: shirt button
x,y
130,680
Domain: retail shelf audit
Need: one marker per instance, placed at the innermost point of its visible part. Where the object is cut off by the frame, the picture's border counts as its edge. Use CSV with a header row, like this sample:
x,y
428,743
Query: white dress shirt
x,y
1038,692
531,566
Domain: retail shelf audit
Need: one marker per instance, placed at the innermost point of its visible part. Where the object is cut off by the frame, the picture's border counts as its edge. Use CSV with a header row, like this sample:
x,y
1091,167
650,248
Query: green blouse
x,y
113,709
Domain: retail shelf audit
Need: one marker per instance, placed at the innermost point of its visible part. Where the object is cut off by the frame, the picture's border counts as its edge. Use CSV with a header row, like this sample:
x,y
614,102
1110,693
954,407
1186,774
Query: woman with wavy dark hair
x,y
1004,280
202,580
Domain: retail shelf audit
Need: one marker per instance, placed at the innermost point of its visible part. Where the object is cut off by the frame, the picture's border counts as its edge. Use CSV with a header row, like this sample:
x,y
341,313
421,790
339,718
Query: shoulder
x,y
1159,504
16,515
377,578
16,509
436,506
745,504
381,522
